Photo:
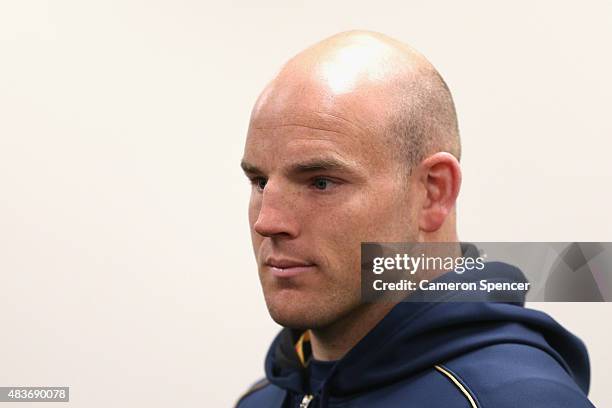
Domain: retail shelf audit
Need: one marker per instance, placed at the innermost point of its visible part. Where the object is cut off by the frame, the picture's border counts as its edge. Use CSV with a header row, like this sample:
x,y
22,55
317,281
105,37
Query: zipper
x,y
306,401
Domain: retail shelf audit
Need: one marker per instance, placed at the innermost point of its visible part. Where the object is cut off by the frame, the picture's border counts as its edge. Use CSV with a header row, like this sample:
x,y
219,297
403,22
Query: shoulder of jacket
x,y
528,372
258,385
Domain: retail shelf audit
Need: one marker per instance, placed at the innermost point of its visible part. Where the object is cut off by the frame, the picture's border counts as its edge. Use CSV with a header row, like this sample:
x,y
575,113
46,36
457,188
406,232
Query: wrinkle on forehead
x,y
286,143
309,119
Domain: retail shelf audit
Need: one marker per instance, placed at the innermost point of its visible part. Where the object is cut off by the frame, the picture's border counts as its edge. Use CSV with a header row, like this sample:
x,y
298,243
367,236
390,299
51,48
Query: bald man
x,y
356,140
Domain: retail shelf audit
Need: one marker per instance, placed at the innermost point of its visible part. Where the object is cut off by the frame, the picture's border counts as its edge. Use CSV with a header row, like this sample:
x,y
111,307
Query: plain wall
x,y
126,269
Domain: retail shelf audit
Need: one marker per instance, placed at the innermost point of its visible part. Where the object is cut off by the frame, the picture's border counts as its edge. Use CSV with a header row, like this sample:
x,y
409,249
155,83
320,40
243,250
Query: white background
x,y
126,270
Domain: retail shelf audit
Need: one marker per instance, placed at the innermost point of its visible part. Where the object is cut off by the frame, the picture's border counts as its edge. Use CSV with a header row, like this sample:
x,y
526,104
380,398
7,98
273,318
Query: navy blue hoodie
x,y
434,354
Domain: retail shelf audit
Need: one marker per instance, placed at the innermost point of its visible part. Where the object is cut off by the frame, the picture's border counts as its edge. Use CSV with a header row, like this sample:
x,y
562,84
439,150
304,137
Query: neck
x,y
334,341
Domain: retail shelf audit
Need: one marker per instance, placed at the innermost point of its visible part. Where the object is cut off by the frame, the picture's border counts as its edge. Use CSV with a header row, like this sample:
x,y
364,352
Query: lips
x,y
287,268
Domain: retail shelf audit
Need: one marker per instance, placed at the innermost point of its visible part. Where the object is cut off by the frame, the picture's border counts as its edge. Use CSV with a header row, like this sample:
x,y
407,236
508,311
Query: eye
x,y
321,183
259,182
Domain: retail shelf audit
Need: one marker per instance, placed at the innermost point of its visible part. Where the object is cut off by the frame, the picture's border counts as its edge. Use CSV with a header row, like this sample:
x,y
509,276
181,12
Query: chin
x,y
295,313
290,310
293,322
300,312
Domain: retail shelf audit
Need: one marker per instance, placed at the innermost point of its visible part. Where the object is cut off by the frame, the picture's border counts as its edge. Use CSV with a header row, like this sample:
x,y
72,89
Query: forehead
x,y
299,138
301,122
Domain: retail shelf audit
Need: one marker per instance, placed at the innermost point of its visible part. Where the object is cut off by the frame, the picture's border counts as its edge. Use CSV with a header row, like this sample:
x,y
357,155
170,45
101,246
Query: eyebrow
x,y
309,166
249,168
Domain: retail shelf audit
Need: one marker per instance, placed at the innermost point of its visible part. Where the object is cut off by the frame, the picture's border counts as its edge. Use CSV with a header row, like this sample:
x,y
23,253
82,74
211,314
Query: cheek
x,y
341,227
254,206
385,217
338,238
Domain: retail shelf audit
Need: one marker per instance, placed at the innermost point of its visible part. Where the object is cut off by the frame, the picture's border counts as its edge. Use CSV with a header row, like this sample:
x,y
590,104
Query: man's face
x,y
323,180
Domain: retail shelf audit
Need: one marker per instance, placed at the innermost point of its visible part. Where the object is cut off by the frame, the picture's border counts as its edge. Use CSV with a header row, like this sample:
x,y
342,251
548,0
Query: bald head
x,y
384,88
349,143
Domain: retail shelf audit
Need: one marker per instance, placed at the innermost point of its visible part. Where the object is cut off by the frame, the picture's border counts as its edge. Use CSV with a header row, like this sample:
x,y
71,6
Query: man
x,y
356,140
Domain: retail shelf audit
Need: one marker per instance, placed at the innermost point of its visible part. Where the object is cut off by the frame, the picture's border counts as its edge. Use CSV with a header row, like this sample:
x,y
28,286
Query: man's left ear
x,y
440,175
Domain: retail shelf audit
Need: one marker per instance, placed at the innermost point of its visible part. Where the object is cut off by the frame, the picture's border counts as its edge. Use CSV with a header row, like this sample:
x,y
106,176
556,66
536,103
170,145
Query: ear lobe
x,y
441,179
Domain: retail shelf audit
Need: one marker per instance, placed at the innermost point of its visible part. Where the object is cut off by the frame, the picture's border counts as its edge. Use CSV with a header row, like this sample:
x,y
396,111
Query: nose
x,y
276,216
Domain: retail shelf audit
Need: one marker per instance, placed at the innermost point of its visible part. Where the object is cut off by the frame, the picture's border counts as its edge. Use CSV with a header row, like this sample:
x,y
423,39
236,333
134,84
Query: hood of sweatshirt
x,y
415,336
